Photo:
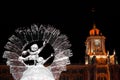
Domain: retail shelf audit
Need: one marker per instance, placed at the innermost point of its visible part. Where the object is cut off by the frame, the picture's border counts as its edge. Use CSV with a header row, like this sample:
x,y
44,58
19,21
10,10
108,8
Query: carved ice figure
x,y
15,48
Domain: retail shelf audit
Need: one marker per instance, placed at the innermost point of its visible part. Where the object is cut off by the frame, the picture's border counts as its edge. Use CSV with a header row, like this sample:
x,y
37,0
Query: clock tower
x,y
96,54
95,47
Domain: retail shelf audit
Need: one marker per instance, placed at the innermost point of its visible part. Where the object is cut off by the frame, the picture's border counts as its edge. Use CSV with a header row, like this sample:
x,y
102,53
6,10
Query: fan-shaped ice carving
x,y
24,36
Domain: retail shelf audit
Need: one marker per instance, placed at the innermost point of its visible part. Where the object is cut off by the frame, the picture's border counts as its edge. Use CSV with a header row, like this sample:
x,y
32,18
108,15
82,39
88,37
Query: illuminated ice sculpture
x,y
15,48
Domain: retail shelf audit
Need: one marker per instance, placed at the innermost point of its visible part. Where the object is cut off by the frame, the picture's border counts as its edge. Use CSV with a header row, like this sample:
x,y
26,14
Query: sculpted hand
x,y
51,55
20,59
45,42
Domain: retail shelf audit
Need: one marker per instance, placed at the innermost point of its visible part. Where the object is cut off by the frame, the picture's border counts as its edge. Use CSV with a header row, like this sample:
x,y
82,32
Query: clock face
x,y
97,42
97,45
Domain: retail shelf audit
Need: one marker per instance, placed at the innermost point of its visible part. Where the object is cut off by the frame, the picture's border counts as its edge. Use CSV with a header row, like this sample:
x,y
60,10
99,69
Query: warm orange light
x,y
94,31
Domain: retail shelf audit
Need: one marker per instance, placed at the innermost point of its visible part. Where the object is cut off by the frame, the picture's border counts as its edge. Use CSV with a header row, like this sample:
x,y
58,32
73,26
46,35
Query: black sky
x,y
73,19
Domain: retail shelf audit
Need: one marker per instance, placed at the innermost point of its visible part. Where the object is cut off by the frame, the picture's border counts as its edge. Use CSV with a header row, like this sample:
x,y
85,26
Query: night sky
x,y
74,19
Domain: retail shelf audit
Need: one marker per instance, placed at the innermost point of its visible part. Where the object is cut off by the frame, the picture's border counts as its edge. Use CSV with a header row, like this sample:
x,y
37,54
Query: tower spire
x,y
94,25
93,10
114,52
93,15
107,53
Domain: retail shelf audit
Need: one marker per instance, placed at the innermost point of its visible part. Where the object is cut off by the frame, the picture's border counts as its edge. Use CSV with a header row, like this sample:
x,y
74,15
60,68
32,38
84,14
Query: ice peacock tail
x,y
24,36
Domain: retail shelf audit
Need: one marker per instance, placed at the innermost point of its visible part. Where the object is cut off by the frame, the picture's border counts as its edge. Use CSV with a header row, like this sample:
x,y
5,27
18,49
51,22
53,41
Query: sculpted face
x,y
40,59
34,47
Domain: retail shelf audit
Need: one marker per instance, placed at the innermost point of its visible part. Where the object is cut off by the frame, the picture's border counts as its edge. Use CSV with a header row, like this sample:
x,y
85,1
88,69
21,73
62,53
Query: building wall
x,y
74,72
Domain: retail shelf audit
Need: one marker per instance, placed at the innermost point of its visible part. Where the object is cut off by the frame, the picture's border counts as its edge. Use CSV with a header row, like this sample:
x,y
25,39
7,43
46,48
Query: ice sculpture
x,y
15,48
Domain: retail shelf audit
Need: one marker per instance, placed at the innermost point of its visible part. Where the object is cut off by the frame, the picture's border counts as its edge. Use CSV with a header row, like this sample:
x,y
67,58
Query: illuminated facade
x,y
96,55
96,51
99,65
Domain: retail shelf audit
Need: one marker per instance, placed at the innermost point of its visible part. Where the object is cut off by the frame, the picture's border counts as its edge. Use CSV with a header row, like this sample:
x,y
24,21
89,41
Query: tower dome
x,y
94,31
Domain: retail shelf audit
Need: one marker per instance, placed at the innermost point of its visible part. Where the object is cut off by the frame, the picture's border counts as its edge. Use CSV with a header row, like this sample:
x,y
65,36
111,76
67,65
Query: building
x,y
97,55
99,65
